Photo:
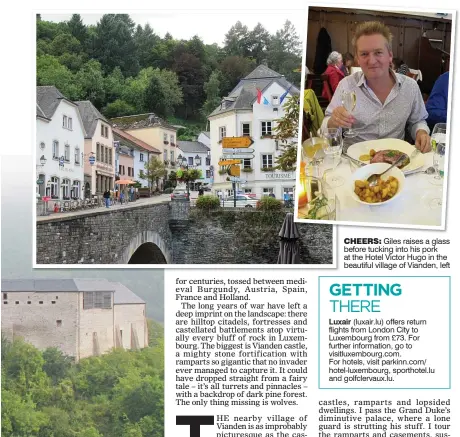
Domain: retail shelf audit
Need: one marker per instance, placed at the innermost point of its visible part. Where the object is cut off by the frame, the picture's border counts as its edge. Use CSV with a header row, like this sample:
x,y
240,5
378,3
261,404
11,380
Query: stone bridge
x,y
173,233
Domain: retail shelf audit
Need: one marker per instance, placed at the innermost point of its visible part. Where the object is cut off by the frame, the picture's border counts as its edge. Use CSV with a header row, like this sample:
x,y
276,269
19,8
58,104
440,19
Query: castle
x,y
82,317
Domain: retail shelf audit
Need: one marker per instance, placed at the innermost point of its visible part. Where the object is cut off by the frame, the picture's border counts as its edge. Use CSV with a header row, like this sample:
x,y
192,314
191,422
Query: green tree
x,y
78,29
188,176
51,72
237,41
91,81
283,54
114,44
286,131
56,365
145,40
212,91
233,69
114,84
118,108
153,171
64,43
258,42
163,93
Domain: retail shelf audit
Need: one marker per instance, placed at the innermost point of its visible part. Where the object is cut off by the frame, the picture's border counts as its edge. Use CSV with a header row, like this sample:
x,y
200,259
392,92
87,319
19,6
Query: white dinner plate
x,y
364,147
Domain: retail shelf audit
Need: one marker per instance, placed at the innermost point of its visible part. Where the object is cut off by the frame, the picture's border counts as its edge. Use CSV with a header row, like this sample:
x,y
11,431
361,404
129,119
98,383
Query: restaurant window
x,y
247,163
267,161
76,189
55,149
54,185
222,132
77,155
267,191
65,188
67,152
266,127
98,152
246,129
141,157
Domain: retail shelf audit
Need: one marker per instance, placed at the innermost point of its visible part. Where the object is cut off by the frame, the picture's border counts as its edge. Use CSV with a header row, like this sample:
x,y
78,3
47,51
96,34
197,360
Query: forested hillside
x,y
124,68
119,394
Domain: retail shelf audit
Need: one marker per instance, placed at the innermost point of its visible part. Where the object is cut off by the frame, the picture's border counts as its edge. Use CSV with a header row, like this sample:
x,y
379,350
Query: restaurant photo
x,y
375,120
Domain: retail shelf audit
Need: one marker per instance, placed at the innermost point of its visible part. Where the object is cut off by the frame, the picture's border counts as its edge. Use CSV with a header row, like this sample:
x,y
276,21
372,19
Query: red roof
x,y
135,140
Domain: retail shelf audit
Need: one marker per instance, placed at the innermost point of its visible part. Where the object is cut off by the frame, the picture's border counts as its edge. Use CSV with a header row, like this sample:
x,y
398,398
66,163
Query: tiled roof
x,y
40,112
90,115
121,135
123,295
245,93
140,121
48,98
192,147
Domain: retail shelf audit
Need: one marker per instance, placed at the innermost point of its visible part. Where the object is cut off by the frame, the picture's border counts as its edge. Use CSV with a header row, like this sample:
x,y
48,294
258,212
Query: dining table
x,y
415,206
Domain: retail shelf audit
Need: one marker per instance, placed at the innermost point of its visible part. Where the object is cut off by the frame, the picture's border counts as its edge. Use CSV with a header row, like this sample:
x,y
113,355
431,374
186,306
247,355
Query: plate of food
x,y
388,187
387,151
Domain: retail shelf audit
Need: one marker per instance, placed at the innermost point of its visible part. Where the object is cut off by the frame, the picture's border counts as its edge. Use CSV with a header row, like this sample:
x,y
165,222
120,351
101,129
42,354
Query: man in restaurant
x,y
436,104
386,102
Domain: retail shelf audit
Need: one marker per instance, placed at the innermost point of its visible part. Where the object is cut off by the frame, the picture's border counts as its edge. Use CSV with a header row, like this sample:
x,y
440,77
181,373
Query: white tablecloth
x,y
410,208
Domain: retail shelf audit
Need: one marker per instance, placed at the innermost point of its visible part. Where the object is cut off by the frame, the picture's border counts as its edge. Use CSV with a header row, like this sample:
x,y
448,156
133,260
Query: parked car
x,y
242,201
179,194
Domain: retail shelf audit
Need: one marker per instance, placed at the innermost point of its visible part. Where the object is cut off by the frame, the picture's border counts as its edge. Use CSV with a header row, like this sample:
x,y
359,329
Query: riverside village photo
x,y
166,144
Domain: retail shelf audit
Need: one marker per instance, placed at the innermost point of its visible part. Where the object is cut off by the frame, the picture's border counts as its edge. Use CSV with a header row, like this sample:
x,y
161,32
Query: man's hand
x,y
340,117
422,141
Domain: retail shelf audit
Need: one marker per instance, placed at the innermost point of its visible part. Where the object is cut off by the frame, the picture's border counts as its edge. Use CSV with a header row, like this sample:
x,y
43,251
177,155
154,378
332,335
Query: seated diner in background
x,y
400,67
436,104
385,102
333,71
347,62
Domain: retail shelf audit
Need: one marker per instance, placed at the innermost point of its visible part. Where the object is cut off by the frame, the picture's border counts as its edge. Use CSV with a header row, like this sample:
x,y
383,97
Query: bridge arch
x,y
146,247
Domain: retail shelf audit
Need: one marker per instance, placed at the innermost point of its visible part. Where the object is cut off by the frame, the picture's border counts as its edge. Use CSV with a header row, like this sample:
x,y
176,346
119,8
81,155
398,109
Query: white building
x,y
60,145
82,317
239,115
141,153
204,138
197,155
100,175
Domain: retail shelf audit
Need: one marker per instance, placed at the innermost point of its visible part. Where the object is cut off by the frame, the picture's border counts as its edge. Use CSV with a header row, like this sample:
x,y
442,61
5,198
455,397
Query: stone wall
x,y
183,235
246,236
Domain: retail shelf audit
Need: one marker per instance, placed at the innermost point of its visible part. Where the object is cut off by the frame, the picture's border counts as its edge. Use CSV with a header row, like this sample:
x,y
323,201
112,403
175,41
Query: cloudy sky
x,y
210,25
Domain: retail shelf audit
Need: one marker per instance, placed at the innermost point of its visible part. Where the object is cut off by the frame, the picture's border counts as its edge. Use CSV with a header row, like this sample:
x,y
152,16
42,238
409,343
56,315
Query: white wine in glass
x,y
349,103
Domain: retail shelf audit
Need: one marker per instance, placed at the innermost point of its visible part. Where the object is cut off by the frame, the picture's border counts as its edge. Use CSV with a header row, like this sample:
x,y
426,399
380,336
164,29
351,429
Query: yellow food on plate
x,y
372,153
384,190
365,158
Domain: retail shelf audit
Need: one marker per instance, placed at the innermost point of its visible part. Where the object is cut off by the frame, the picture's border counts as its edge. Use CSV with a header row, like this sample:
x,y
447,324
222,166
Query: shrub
x,y
207,202
168,190
268,203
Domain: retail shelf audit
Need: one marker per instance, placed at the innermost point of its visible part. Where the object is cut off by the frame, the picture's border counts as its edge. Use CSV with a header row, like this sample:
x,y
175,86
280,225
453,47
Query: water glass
x,y
438,144
333,153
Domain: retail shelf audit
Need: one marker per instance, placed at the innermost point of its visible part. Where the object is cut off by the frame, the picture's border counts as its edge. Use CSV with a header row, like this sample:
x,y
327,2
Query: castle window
x,y
58,323
95,299
40,302
57,297
5,302
17,302
53,302
5,295
29,302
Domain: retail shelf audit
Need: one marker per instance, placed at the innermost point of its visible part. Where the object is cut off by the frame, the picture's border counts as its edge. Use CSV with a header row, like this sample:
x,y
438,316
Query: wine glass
x,y
332,149
438,144
349,103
